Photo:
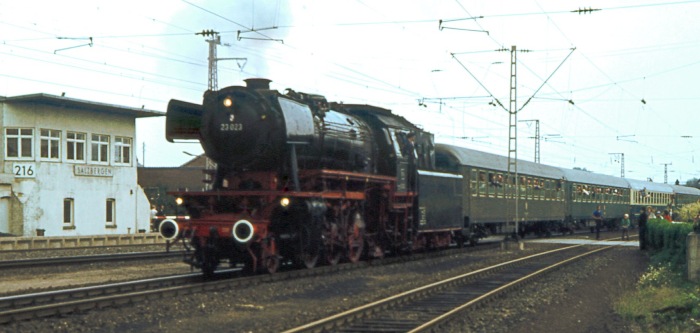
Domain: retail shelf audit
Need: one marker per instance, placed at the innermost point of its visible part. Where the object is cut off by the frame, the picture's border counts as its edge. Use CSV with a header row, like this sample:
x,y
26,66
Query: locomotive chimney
x,y
256,83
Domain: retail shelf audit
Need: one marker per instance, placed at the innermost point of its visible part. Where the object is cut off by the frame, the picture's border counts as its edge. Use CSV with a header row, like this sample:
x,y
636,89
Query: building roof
x,y
60,101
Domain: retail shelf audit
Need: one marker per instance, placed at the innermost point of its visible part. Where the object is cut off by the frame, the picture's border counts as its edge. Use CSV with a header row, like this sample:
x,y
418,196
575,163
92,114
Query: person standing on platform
x,y
643,219
625,225
154,218
598,217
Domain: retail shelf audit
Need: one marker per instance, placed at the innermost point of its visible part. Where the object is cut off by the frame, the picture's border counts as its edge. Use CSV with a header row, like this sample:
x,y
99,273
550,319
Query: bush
x,y
668,241
688,212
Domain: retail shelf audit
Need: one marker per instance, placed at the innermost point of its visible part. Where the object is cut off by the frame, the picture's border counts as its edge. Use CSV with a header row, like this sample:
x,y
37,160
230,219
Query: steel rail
x,y
334,322
52,303
43,304
7,264
68,248
441,319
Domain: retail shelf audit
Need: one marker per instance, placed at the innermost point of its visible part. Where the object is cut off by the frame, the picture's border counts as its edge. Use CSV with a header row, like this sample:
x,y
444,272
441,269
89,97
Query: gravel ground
x,y
32,279
577,298
86,251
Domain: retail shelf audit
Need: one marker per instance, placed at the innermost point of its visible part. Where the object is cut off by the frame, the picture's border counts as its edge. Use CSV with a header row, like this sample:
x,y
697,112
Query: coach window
x,y
605,194
544,189
621,195
476,183
499,183
99,148
539,188
620,192
19,143
110,218
75,147
491,187
68,215
522,187
50,144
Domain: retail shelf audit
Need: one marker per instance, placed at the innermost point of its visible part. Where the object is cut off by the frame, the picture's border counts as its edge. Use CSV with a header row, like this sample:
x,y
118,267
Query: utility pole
x,y
512,121
537,138
215,40
513,134
621,157
666,171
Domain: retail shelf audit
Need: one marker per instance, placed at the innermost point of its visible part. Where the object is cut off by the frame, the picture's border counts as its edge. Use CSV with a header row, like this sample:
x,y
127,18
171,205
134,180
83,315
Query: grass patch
x,y
663,301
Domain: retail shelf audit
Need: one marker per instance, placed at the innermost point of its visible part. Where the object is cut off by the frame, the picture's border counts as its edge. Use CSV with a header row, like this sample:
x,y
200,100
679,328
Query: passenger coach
x,y
488,191
588,190
644,194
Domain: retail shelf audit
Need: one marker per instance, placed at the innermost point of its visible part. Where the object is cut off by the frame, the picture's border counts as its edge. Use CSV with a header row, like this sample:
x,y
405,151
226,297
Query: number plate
x,y
233,127
24,170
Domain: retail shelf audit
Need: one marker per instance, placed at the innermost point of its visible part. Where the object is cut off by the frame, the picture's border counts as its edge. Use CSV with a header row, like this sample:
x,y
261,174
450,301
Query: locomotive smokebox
x,y
258,83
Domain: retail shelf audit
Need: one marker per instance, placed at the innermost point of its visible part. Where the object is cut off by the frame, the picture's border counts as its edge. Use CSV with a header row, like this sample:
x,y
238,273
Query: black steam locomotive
x,y
300,180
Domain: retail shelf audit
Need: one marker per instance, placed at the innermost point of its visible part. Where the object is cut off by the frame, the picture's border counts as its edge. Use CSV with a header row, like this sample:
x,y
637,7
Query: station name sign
x,y
93,171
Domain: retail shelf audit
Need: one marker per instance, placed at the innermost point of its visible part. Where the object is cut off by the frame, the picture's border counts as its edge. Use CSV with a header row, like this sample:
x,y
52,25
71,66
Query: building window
x,y
122,150
75,147
19,143
99,148
68,216
110,212
50,143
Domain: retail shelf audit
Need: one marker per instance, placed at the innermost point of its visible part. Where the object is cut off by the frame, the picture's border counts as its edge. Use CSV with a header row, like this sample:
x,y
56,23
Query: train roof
x,y
651,186
685,190
466,156
479,159
588,177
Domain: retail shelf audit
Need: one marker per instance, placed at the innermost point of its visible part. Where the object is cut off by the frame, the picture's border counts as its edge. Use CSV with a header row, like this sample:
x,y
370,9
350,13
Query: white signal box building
x,y
68,167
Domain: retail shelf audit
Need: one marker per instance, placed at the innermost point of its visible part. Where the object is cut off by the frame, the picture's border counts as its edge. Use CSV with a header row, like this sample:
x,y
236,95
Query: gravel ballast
x,y
577,298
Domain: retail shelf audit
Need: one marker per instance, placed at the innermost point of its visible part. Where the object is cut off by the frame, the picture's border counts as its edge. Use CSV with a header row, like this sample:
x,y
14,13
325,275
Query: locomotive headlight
x,y
284,202
228,102
179,201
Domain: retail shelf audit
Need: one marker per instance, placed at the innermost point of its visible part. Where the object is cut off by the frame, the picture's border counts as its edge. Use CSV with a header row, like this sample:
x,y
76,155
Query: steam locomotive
x,y
300,180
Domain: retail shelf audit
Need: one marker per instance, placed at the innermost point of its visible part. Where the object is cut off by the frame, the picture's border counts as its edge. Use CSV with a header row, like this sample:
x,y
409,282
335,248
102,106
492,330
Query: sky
x,y
602,79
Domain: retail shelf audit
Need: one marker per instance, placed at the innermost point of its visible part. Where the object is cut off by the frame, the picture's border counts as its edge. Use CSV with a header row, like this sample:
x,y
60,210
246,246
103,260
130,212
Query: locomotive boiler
x,y
300,180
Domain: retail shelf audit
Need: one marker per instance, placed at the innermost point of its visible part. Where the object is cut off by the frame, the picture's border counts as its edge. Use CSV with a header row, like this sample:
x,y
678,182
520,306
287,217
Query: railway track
x,y
425,308
74,300
58,302
132,256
